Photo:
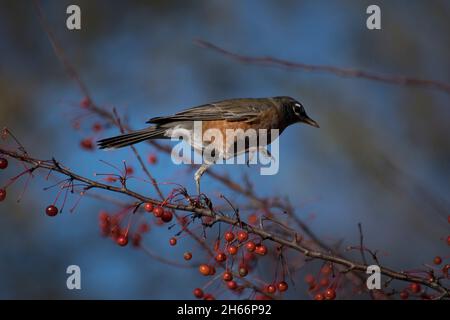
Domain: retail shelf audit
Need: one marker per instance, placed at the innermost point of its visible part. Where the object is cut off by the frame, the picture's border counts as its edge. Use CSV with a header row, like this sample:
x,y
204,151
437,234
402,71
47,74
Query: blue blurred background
x,y
381,156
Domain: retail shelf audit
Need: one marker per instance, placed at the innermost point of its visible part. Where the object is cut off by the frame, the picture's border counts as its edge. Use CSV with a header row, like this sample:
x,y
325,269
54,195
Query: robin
x,y
246,114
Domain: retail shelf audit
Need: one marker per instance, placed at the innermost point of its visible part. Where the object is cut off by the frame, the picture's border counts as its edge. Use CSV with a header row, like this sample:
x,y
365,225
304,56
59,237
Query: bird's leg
x,y
198,174
251,155
266,153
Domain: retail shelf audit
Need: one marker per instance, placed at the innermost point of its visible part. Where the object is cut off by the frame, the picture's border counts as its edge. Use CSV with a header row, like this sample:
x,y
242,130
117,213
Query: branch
x,y
200,211
337,71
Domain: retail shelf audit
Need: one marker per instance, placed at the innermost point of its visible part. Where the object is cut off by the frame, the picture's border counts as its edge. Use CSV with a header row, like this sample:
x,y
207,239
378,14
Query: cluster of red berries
x,y
329,294
163,215
321,288
228,277
234,241
198,293
110,226
207,270
281,286
414,288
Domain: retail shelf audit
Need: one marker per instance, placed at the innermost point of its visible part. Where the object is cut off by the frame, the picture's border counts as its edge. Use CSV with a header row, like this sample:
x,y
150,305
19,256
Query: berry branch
x,y
201,210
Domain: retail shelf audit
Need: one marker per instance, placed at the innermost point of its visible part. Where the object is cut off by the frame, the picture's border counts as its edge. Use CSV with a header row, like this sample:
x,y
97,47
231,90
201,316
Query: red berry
x,y
110,179
97,127
3,163
87,144
103,216
437,260
282,286
249,256
229,236
129,170
152,159
136,240
250,246
243,271
204,269
404,295
232,250
144,227
115,232
415,287
227,276
253,219
313,287
198,293
271,288
209,296
187,256
242,236
2,194
51,211
148,207
104,228
319,296
326,269
330,294
122,240
221,257
167,216
232,285
445,270
212,270
158,212
85,103
173,241
448,240
309,279
324,282
261,250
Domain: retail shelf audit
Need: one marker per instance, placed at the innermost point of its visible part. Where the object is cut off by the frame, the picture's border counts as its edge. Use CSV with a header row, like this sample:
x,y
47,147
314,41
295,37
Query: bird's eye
x,y
298,109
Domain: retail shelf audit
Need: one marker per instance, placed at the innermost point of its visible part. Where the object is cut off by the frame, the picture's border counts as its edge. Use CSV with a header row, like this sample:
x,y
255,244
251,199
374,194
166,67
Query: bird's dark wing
x,y
232,110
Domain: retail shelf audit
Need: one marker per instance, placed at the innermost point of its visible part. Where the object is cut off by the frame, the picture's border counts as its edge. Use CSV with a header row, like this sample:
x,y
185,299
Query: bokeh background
x,y
381,156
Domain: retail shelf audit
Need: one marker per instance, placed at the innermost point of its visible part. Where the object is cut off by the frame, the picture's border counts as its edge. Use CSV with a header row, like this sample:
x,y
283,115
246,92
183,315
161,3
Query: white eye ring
x,y
297,107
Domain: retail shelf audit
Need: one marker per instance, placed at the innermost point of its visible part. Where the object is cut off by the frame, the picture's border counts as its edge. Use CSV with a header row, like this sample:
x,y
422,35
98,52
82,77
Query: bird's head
x,y
295,111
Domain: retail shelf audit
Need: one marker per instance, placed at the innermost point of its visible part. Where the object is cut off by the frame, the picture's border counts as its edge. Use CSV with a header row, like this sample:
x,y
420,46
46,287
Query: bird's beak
x,y
310,121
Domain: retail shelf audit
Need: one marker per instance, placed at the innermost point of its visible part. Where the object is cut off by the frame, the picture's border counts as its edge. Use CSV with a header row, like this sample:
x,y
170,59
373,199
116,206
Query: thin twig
x,y
337,71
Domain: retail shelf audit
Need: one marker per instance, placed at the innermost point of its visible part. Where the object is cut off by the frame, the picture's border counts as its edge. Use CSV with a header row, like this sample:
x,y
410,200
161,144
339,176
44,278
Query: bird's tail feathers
x,y
128,139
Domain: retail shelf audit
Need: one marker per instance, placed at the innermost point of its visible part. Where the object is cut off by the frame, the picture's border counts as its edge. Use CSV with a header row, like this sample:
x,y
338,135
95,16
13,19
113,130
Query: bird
x,y
240,113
